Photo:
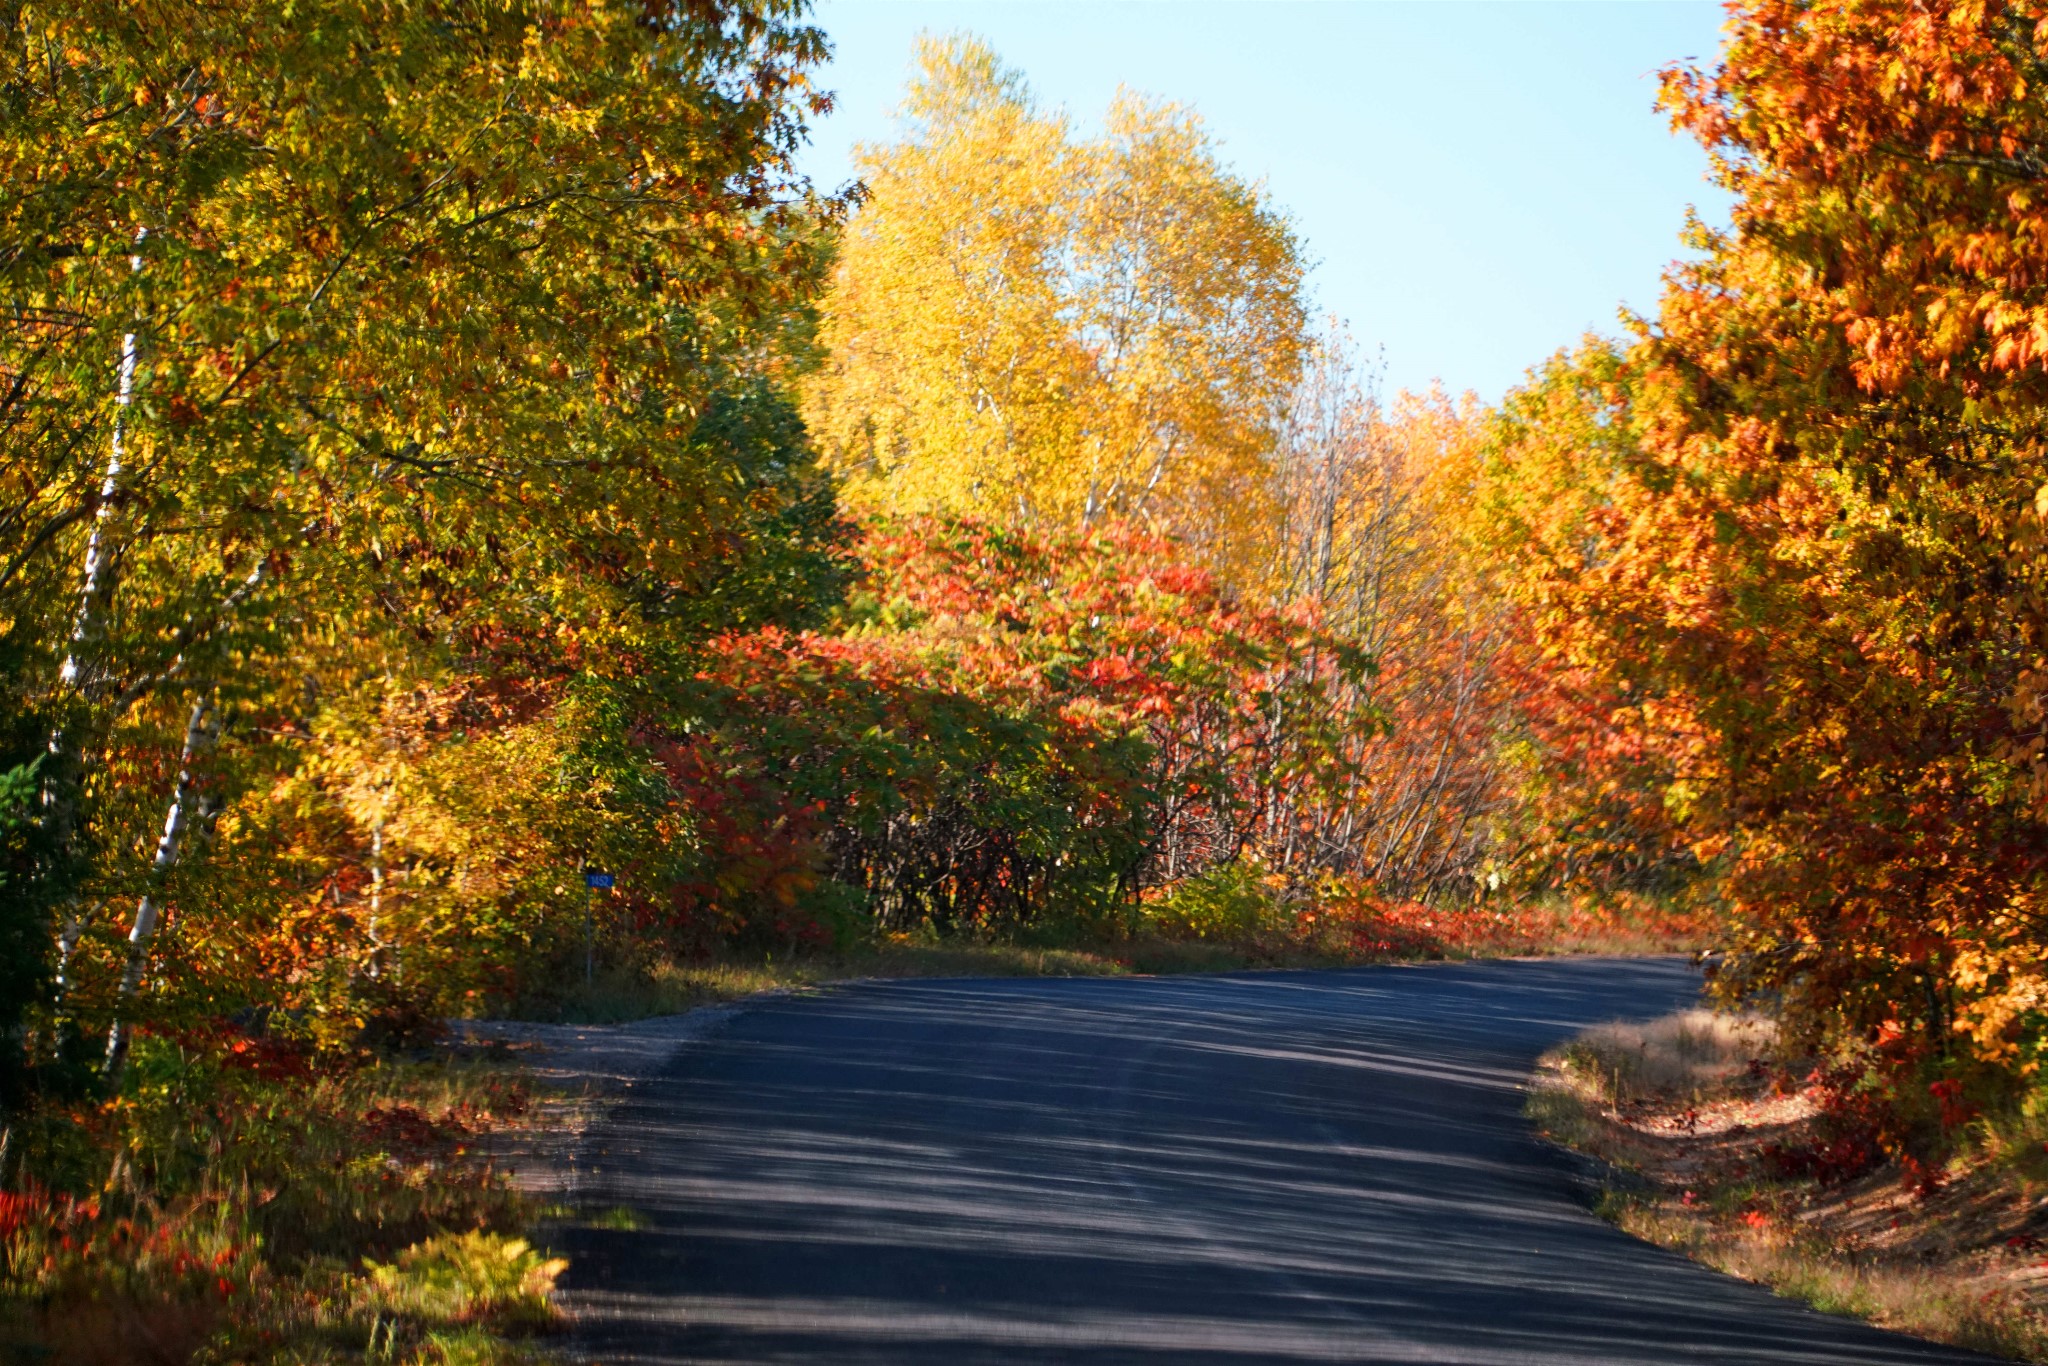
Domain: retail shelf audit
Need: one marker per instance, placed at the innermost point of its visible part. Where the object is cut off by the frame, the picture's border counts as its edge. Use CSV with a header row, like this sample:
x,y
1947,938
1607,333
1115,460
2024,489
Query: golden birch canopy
x,y
1027,324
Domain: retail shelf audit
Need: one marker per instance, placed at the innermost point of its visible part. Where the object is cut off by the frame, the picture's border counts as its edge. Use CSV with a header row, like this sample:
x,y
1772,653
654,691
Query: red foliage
x,y
1956,1109
411,1132
269,1058
1360,921
1856,1130
21,1208
1026,721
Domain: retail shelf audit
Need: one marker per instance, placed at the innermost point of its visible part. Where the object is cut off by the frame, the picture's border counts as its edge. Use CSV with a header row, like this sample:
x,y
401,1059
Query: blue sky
x,y
1479,183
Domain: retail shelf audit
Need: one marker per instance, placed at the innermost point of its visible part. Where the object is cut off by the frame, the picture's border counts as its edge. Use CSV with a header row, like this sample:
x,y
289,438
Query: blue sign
x,y
597,879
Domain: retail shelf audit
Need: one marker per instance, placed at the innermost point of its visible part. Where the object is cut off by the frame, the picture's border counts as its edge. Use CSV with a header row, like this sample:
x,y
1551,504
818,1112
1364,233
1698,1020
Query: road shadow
x,y
1259,1168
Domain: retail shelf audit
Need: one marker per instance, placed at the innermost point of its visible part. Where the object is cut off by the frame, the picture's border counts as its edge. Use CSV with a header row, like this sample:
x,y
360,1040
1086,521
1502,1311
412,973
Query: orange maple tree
x,y
1792,532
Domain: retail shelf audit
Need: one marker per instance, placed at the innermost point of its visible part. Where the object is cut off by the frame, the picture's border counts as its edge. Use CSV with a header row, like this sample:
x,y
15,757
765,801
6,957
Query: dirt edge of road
x,y
579,1072
1686,1136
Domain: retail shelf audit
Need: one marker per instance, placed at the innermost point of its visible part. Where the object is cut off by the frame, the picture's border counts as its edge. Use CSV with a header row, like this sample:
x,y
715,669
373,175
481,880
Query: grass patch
x,y
1959,1307
618,1219
1690,1055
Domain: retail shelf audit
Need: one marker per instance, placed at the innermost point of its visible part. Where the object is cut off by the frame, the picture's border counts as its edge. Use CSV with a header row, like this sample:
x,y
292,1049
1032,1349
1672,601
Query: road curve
x,y
1265,1168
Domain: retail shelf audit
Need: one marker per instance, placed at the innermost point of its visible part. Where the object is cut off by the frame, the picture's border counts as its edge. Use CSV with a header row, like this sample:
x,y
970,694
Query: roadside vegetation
x,y
1792,533
244,1200
1713,1140
480,535
1163,941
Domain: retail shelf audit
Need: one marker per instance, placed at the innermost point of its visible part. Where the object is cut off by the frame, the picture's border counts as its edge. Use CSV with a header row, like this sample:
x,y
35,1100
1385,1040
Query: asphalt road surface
x,y
1265,1168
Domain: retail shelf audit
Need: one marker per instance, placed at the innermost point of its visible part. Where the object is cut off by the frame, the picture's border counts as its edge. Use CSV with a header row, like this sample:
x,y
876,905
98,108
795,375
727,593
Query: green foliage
x,y
1231,902
455,1278
791,565
24,919
1002,745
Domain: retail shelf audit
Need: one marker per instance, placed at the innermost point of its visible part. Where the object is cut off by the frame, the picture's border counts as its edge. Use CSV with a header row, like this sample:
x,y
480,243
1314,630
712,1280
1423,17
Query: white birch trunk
x,y
146,913
74,671
81,672
376,926
67,944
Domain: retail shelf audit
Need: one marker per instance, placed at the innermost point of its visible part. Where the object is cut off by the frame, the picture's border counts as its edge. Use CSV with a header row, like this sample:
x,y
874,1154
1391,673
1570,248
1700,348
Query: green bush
x,y
461,1278
1229,902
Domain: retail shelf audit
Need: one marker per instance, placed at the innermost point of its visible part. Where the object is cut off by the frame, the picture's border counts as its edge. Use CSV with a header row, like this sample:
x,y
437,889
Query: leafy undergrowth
x,y
1205,931
251,1203
1772,1172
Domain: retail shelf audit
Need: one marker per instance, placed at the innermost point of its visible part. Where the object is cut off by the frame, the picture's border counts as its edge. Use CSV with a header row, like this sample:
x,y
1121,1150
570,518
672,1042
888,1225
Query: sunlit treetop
x,y
1032,325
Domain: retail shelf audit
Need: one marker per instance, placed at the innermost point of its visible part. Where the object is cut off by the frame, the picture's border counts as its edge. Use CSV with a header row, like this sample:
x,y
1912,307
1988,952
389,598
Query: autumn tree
x,y
1373,500
1029,324
352,343
1800,552
1598,808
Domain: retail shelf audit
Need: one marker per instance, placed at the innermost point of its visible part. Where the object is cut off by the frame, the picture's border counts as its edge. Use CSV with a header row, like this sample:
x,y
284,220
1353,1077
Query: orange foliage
x,y
1788,542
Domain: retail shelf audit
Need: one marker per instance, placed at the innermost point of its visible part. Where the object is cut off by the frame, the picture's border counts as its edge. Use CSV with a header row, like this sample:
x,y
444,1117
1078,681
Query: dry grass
x,y
1979,1310
1684,1124
1689,1055
1402,933
671,987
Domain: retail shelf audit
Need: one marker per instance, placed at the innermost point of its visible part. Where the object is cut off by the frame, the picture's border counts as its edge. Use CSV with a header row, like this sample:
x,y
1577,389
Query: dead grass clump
x,y
1688,1054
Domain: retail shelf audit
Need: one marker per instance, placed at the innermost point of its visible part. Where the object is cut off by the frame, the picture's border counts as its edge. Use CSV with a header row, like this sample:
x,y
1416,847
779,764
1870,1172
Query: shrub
x,y
1231,902
459,1278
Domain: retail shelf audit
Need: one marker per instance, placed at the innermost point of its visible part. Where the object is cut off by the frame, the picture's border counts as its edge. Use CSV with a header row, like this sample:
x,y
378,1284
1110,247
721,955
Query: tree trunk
x,y
83,672
197,731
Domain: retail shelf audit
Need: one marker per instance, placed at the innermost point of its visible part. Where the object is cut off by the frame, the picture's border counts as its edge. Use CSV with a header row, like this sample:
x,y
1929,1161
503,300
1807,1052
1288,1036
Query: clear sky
x,y
1479,183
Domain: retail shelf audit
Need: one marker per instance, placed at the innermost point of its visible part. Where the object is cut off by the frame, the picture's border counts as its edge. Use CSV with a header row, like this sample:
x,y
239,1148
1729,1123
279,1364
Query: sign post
x,y
591,882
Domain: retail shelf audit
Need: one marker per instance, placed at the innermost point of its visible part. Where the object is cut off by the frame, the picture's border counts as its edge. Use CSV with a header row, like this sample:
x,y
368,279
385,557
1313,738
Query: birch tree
x,y
399,321
1031,325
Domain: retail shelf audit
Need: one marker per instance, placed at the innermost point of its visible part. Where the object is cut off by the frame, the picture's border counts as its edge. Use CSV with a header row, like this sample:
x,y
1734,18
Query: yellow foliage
x,y
460,1277
2006,992
1024,324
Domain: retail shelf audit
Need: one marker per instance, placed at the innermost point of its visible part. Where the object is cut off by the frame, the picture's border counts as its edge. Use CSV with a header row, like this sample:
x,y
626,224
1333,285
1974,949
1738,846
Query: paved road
x,y
1219,1171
